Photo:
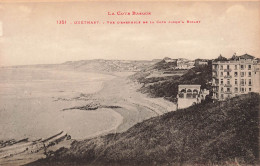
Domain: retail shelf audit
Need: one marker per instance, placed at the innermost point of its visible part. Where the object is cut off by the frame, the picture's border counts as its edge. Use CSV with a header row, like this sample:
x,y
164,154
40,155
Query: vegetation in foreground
x,y
208,133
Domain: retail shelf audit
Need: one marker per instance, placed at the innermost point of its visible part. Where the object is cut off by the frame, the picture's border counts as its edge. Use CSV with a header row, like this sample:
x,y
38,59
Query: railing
x,y
227,76
227,70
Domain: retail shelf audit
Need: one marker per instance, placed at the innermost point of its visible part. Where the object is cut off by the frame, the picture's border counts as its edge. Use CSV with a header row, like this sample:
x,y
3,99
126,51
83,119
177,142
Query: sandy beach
x,y
112,89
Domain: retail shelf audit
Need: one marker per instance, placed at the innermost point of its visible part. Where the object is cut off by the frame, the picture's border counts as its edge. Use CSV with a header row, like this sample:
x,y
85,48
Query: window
x,y
222,89
242,89
221,73
242,74
221,67
249,82
249,89
228,81
221,81
222,96
236,89
235,67
228,73
189,94
227,66
242,81
235,81
242,67
228,89
235,74
195,91
249,67
249,74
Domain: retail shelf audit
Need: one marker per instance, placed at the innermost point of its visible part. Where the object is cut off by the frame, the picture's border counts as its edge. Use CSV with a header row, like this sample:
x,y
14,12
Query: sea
x,y
32,103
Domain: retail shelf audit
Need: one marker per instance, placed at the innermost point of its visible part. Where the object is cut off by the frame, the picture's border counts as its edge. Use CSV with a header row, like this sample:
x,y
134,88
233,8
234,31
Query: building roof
x,y
246,56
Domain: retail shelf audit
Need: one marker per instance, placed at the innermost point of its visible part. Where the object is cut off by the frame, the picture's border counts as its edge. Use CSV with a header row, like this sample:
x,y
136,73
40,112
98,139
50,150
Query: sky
x,y
29,33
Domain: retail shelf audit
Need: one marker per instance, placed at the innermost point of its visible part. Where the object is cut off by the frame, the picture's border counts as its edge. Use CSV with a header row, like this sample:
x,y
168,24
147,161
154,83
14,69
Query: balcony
x,y
228,85
227,70
215,84
227,76
215,70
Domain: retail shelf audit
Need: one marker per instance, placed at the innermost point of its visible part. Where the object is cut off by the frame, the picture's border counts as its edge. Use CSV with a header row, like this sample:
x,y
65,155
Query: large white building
x,y
238,75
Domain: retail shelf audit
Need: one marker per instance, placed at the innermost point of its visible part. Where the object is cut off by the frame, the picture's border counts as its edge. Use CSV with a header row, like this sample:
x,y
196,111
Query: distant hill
x,y
208,133
108,65
98,65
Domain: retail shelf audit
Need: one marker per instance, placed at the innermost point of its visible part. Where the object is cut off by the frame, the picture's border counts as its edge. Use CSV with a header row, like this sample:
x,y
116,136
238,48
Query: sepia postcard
x,y
129,83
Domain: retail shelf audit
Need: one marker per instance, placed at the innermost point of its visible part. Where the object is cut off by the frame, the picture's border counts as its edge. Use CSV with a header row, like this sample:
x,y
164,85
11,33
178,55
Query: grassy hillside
x,y
210,133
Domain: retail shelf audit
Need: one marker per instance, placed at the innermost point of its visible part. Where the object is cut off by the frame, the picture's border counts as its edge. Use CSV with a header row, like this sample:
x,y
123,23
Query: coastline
x,y
133,107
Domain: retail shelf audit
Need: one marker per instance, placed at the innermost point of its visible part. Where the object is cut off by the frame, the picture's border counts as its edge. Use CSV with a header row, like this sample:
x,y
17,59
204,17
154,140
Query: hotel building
x,y
238,75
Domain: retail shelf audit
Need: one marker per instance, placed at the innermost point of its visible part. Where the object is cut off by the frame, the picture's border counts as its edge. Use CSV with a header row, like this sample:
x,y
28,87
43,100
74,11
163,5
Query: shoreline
x,y
129,108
